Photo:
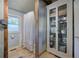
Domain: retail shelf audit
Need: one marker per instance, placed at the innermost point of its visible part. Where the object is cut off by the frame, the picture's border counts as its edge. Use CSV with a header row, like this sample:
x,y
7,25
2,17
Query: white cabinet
x,y
59,28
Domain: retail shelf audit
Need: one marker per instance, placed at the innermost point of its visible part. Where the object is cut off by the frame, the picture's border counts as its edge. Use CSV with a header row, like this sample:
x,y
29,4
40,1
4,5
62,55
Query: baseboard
x,y
9,49
54,54
28,49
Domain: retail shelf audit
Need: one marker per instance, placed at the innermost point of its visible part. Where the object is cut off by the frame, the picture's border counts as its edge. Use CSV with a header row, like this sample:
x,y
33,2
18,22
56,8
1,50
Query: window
x,y
13,23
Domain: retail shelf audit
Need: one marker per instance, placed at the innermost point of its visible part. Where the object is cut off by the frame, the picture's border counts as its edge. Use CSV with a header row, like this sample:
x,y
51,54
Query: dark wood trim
x,y
36,12
49,1
73,28
6,30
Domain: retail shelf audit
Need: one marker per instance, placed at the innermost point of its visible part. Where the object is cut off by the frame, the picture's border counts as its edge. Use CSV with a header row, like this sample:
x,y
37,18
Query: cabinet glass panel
x,y
62,28
52,24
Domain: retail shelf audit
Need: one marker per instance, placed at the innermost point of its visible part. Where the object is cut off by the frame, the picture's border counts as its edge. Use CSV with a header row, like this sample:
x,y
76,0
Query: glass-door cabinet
x,y
59,28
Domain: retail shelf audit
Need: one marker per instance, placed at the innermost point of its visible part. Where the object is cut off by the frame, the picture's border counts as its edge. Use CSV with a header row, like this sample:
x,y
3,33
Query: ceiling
x,y
23,6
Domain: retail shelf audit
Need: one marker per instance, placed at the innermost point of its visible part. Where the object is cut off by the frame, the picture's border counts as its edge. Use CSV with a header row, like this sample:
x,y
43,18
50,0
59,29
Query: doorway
x,y
21,29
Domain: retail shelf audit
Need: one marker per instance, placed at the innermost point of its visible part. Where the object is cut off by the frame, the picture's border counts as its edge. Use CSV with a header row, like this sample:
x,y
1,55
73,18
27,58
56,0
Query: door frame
x,y
6,30
36,13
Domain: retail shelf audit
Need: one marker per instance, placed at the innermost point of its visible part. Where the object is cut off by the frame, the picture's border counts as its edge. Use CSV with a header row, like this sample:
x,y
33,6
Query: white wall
x,y
29,31
14,12
1,31
42,27
16,42
76,15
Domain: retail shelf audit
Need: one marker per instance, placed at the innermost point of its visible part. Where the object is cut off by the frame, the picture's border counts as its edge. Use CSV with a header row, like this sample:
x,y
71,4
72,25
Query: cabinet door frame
x,y
69,27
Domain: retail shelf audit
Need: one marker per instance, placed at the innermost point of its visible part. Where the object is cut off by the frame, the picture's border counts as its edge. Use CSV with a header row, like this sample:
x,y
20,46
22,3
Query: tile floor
x,y
23,53
47,55
20,53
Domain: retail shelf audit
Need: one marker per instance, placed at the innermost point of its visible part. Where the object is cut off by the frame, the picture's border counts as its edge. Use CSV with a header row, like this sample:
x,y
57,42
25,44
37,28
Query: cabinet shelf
x,y
52,25
52,16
